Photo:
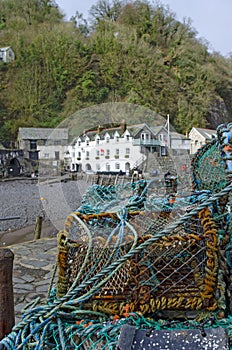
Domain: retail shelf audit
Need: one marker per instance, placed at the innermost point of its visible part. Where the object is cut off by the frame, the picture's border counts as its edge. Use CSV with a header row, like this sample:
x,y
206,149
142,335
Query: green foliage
x,y
133,52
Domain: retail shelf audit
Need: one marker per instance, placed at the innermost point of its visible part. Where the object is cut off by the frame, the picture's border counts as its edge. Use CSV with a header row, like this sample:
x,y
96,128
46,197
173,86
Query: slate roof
x,y
136,128
208,134
43,133
178,136
157,129
133,129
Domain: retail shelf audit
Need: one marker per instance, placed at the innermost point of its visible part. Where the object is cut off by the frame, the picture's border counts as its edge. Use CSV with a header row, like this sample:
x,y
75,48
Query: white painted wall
x,y
106,156
196,141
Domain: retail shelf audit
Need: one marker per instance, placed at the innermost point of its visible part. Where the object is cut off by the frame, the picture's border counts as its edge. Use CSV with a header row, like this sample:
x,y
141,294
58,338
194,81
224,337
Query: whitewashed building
x,y
6,54
119,147
199,137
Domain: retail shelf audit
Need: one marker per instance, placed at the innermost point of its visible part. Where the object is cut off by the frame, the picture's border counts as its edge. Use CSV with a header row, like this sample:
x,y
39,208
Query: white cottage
x,y
7,54
199,137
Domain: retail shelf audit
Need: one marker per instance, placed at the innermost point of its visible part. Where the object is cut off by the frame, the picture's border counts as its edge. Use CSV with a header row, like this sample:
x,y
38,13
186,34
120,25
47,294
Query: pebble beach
x,y
22,201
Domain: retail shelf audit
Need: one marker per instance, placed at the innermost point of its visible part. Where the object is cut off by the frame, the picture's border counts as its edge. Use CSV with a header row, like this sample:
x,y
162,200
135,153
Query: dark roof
x,y
43,133
157,129
136,128
101,132
133,129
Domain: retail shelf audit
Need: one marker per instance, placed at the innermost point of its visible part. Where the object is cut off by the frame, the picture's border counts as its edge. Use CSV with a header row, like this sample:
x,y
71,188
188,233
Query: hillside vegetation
x,y
131,52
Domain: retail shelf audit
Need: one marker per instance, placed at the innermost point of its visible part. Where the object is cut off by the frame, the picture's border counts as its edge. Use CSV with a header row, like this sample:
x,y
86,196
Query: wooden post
x,y
102,180
7,316
116,180
38,227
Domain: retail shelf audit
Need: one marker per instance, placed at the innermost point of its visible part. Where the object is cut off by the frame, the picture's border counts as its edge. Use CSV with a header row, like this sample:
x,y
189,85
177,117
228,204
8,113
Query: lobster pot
x,y
208,169
143,271
211,166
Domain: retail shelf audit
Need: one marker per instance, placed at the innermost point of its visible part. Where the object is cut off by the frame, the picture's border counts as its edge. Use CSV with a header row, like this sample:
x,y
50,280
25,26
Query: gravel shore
x,y
27,199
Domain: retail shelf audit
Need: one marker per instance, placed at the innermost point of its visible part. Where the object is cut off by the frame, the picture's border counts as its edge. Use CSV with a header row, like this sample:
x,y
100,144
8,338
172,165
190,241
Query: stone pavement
x,y
33,267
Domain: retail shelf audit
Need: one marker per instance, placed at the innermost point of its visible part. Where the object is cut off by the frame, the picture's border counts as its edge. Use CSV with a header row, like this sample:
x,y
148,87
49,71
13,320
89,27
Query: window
x,y
57,155
97,153
107,137
79,154
117,166
87,154
79,143
145,136
117,151
127,137
107,152
163,151
33,144
87,142
57,142
127,150
46,155
117,138
97,141
107,167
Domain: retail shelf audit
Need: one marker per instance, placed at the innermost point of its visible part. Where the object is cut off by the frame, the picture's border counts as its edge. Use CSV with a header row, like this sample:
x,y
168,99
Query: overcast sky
x,y
210,18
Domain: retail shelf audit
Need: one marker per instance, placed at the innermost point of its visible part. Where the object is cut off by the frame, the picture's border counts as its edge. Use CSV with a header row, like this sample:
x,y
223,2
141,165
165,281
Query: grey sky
x,y
210,18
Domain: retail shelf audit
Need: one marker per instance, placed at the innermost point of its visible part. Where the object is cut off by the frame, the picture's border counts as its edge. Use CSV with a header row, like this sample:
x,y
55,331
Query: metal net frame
x,y
134,254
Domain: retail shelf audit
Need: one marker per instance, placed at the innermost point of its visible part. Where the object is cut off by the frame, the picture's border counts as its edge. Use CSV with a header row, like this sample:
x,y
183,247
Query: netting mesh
x,y
141,250
208,168
176,272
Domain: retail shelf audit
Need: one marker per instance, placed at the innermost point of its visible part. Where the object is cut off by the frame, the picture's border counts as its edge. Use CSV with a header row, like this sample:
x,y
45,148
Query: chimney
x,y
123,126
99,129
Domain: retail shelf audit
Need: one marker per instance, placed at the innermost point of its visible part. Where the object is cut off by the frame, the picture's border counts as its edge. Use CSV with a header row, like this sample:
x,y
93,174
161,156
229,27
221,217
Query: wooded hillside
x,y
130,52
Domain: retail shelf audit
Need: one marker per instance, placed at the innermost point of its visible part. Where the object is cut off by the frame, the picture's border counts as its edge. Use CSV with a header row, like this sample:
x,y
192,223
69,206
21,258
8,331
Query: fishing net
x,y
149,252
178,271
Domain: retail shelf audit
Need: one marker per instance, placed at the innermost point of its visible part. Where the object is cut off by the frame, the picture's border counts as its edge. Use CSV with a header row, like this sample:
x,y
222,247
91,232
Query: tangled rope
x,y
107,272
48,324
